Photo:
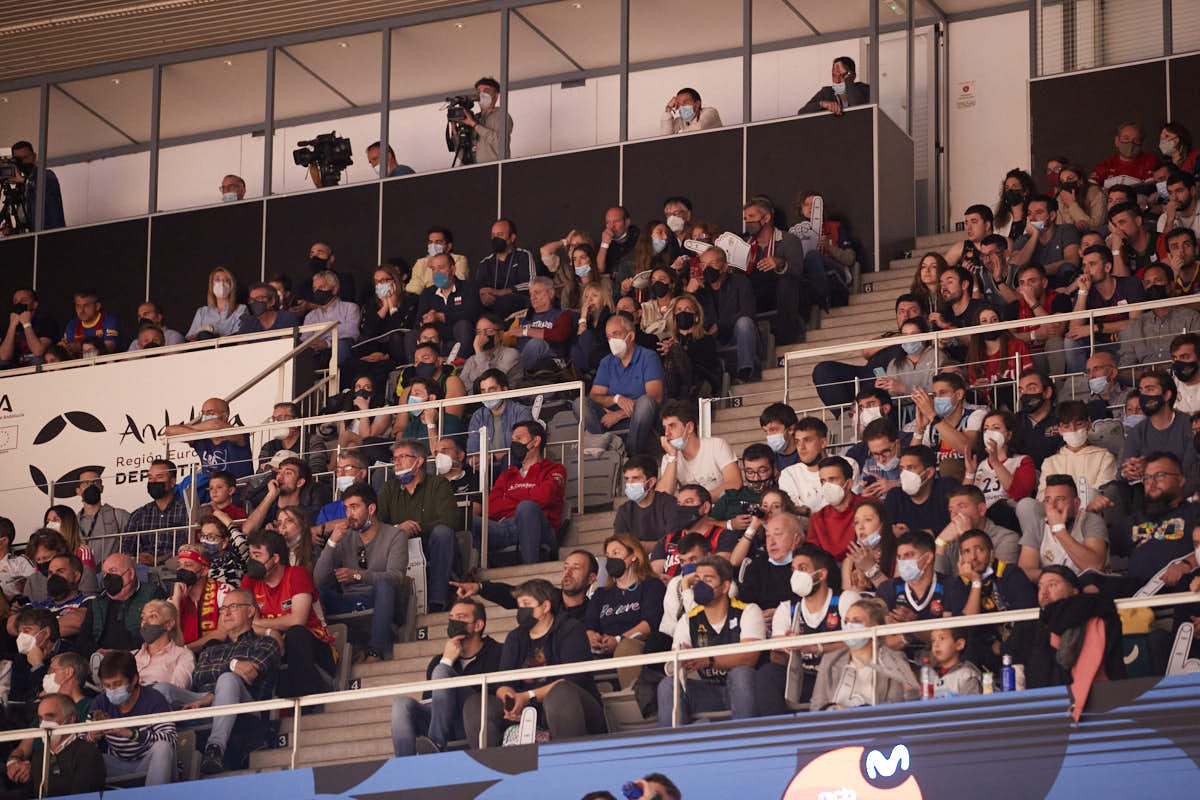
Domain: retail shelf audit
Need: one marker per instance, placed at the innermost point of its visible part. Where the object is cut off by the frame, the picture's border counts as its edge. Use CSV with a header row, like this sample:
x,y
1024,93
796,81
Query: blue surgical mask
x,y
912,348
118,696
857,641
492,403
441,280
414,400
889,465
777,441
1133,420
583,270
838,88
344,482
908,569
872,540
679,443
1098,385
635,491
207,417
1038,225
405,476
658,244
943,406
687,113
786,561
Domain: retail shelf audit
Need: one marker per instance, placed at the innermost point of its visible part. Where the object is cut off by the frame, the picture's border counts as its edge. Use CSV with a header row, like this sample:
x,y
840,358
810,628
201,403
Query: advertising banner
x,y
110,417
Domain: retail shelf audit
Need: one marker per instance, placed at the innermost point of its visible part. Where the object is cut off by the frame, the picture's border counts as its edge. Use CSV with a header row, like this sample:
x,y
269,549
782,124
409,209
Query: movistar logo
x,y
880,767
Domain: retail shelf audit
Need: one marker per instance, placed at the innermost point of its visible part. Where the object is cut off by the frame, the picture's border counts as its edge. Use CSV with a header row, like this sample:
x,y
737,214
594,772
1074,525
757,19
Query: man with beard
x,y
579,573
1160,532
759,473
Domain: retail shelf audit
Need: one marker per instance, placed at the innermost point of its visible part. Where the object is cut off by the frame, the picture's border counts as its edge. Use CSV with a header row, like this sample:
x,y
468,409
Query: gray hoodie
x,y
961,679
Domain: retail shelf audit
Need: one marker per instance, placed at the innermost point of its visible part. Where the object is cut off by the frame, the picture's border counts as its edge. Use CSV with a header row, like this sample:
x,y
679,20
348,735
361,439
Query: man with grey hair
x,y
76,766
233,188
628,387
780,272
331,308
727,299
544,332
767,580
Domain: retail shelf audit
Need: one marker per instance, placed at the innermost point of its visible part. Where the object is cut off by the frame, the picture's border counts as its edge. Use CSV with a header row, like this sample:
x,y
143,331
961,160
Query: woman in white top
x,y
856,676
998,469
221,314
916,365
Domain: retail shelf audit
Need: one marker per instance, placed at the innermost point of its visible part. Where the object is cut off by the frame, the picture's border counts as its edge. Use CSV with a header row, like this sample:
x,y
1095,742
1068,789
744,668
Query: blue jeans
x,y
527,528
158,764
441,719
229,690
534,352
381,596
737,695
816,265
645,417
745,337
441,561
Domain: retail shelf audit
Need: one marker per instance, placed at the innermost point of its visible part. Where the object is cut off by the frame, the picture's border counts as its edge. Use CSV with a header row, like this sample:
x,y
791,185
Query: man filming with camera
x,y
31,178
490,123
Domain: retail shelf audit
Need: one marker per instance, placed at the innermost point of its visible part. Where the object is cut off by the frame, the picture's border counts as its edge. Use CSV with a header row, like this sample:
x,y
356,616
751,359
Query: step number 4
x,y
354,683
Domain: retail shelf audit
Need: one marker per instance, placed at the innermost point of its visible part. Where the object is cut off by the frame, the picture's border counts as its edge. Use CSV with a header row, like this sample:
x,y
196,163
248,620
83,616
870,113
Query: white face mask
x,y
802,583
344,482
50,684
618,347
25,642
995,438
675,223
868,415
221,289
1075,438
443,463
485,99
910,482
832,493
435,249
229,197
54,525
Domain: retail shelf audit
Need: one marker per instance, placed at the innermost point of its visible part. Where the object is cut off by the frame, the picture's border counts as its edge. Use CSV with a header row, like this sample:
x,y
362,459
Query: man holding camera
x,y
33,178
490,123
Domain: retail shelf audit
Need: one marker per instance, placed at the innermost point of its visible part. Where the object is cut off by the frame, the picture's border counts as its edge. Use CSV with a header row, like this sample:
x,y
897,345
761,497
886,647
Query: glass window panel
x,y
196,96
361,130
20,117
330,75
1185,25
718,81
191,174
100,113
444,57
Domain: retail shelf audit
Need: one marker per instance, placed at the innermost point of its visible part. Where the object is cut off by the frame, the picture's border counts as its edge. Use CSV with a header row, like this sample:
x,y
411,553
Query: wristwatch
x,y
532,694
1057,527
358,576
976,584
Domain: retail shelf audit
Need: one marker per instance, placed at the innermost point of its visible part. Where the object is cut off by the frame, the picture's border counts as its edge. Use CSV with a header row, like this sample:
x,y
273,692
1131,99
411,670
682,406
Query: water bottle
x,y
1008,675
988,683
631,790
928,680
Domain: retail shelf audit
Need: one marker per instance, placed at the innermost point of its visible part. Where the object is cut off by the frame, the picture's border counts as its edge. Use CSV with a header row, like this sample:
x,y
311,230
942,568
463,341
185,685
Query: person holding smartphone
x,y
843,92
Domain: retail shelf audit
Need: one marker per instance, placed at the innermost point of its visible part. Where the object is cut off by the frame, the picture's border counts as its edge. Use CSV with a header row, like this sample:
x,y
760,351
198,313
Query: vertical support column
x,y
909,58
39,213
1168,26
268,128
747,59
385,114
505,16
1035,8
155,109
623,128
873,23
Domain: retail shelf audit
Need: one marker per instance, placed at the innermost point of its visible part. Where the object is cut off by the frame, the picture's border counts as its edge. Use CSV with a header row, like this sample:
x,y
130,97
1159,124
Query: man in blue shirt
x,y
230,453
393,168
628,386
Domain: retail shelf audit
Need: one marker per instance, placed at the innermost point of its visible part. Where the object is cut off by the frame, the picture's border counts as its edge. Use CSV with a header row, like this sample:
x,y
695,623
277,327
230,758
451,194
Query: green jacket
x,y
133,611
430,505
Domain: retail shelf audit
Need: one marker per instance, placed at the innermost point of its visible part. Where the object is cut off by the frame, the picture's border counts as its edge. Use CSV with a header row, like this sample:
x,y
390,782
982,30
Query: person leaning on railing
x,y
76,766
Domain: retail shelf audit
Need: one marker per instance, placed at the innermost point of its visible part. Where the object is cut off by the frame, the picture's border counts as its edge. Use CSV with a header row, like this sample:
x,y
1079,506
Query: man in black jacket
x,y
75,763
417,727
727,298
570,707
580,569
845,91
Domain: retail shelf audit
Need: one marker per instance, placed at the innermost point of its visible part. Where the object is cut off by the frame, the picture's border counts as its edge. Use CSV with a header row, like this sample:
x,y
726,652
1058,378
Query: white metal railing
x,y
939,336
440,405
483,681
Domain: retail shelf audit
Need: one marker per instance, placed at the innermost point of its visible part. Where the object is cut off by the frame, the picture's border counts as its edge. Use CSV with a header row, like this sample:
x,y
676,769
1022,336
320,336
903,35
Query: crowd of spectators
x,y
974,481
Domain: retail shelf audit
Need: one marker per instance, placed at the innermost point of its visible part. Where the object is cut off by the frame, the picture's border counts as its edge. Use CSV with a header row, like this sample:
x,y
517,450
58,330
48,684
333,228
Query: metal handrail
x,y
562,670
954,333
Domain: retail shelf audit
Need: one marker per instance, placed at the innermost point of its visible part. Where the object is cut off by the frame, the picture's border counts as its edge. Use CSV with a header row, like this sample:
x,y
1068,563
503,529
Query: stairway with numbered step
x,y
360,730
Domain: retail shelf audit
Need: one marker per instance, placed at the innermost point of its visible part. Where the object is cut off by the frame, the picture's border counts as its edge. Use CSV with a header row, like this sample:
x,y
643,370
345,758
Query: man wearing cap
x,y
197,598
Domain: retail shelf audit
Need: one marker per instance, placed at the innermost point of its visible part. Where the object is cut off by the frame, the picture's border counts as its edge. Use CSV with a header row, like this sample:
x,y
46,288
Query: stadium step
x,y
938,241
373,743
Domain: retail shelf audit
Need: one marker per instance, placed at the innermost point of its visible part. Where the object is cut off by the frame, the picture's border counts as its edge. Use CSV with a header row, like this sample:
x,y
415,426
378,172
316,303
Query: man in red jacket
x,y
526,503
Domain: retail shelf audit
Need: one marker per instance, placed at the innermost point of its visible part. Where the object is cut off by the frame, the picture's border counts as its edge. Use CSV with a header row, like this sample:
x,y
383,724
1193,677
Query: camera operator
x,y
393,168
490,123
31,176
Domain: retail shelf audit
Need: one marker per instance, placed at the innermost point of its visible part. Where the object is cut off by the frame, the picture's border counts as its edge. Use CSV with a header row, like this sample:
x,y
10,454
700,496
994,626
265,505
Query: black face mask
x,y
525,618
113,584
711,276
689,516
1030,403
57,586
753,228
258,307
1156,292
156,489
684,321
992,336
660,289
91,495
186,577
322,296
1014,196
425,369
456,627
758,487
499,245
43,567
516,453
615,567
1151,404
488,343
256,569
363,393
317,263
1184,370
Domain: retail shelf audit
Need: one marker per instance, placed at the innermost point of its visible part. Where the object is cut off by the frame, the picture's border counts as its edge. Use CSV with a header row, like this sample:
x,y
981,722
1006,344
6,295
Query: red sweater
x,y
1140,168
833,530
545,484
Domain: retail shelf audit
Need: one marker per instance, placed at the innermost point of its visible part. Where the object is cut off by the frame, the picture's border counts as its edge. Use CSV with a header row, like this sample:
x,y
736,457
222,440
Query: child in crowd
x,y
955,676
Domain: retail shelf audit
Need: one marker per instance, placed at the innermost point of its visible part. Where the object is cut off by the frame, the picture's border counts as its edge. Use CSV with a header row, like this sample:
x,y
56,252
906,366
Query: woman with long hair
x,y
650,252
221,315
994,357
386,313
64,520
624,613
293,523
699,347
871,556
861,673
1008,219
1175,142
590,345
658,310
997,468
926,283
582,273
1080,202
